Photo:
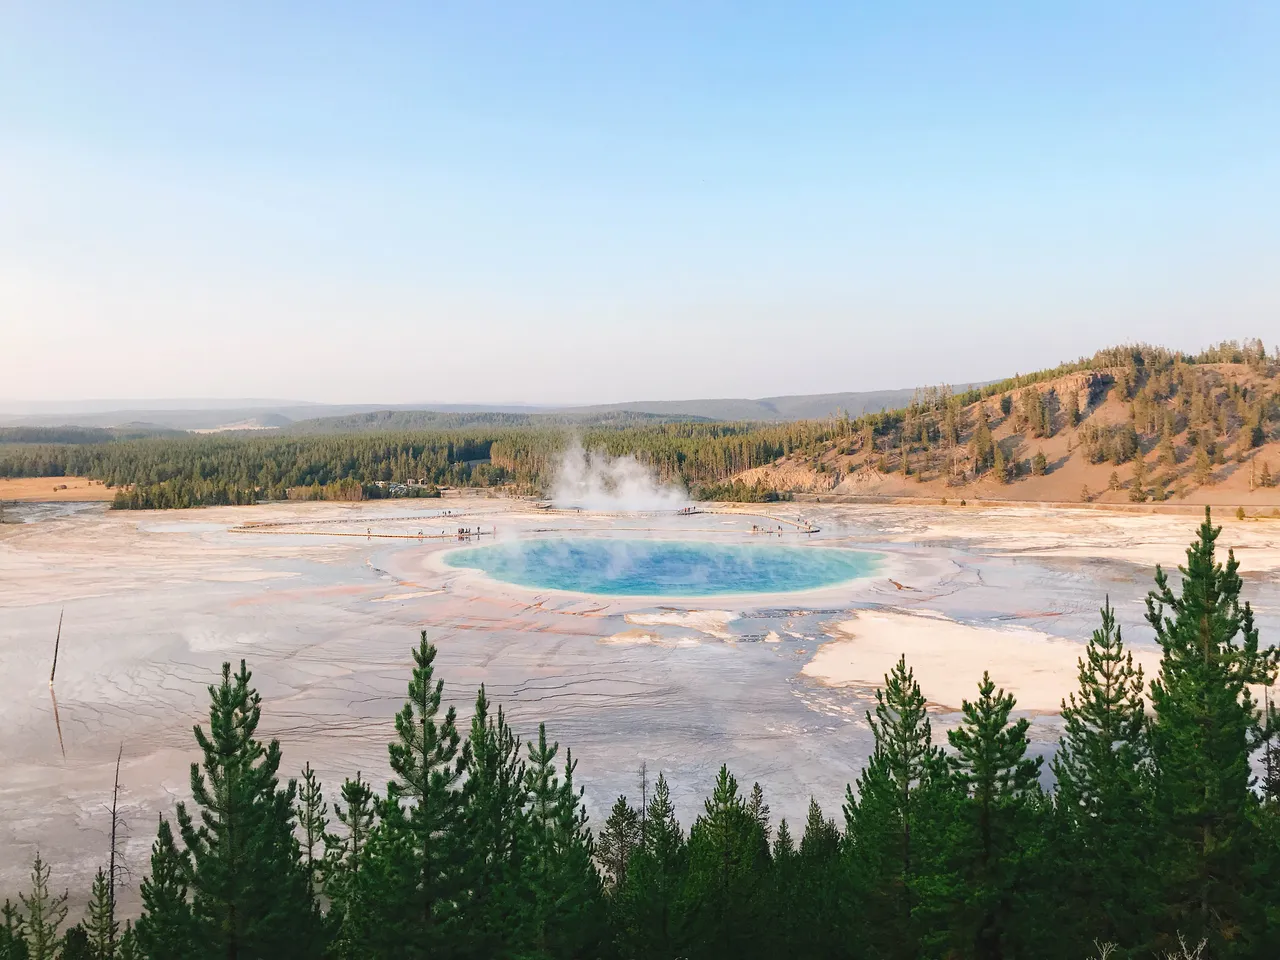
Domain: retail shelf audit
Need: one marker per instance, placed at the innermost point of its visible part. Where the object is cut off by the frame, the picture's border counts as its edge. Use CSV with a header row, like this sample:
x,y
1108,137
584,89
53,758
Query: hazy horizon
x,y
573,207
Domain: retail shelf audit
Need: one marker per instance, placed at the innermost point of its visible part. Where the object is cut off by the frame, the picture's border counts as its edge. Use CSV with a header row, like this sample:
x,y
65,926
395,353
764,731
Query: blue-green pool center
x,y
676,568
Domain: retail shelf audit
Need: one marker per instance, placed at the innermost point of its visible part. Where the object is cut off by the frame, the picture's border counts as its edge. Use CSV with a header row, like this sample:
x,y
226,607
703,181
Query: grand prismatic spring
x,y
676,638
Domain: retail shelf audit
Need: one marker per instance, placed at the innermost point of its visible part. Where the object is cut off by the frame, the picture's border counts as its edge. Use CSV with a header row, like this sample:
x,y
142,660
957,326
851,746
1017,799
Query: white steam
x,y
595,481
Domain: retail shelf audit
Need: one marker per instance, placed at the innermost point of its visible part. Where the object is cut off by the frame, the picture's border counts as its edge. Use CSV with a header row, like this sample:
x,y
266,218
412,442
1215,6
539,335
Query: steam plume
x,y
595,481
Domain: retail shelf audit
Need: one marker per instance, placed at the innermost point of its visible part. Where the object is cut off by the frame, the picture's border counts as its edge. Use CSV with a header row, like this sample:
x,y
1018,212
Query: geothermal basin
x,y
753,636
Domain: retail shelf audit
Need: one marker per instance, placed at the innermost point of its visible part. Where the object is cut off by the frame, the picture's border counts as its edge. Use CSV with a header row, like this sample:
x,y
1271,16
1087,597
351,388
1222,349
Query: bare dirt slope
x,y
1202,435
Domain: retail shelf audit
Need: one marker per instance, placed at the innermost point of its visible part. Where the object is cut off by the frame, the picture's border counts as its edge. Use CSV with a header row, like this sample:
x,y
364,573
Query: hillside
x,y
1137,426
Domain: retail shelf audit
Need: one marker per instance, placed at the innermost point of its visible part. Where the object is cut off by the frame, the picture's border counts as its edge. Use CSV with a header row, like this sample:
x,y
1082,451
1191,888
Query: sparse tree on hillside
x,y
1203,473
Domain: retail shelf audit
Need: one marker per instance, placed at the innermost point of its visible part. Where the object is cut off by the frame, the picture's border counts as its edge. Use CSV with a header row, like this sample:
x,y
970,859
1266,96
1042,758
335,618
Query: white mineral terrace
x,y
325,602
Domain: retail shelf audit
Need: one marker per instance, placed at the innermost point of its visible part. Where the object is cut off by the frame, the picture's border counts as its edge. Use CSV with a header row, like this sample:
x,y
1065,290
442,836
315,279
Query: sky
x,y
579,203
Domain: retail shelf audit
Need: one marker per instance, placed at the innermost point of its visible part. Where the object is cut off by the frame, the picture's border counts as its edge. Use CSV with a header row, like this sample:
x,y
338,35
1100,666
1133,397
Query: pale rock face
x,y
324,601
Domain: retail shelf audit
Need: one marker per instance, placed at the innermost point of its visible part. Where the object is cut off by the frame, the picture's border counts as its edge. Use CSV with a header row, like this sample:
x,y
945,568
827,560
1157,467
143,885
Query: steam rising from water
x,y
595,481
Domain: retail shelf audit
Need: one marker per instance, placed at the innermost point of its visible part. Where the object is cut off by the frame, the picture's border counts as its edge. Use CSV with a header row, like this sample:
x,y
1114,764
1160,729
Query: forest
x,y
1154,831
1174,420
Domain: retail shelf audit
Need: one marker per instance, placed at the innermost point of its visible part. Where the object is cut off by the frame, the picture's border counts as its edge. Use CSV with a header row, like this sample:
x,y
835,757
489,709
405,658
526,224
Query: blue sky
x,y
601,202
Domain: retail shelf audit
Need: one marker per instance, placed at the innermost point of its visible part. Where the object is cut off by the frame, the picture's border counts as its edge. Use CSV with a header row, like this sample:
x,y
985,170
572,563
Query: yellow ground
x,y
54,488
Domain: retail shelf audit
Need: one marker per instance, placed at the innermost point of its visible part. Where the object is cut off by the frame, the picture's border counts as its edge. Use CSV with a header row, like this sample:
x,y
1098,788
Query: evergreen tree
x,y
250,894
420,853
1000,782
346,884
728,856
1206,726
783,846
494,822
1103,796
13,935
816,900
567,915
618,840
166,930
896,799
127,948
75,945
313,821
102,926
1138,489
45,915
648,904
759,810
1203,473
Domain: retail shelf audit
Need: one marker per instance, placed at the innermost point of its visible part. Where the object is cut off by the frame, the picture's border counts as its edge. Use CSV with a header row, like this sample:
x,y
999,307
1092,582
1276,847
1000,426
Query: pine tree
x,y
999,469
727,860
75,945
13,935
345,884
45,915
1000,782
648,904
166,930
1203,472
419,845
251,896
102,925
759,810
1103,795
567,917
1138,489
884,822
816,899
783,846
127,948
496,838
1206,726
618,840
313,820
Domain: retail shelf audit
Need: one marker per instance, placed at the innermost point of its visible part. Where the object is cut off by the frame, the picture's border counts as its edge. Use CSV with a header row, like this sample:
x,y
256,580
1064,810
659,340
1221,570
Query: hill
x,y
1135,424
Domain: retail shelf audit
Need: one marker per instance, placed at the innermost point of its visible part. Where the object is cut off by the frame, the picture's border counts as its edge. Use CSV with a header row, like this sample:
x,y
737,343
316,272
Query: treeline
x,y
206,470
1156,834
1185,402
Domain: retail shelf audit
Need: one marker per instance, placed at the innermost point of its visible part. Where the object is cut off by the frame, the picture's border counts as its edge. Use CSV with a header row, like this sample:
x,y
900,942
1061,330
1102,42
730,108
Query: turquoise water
x,y
665,567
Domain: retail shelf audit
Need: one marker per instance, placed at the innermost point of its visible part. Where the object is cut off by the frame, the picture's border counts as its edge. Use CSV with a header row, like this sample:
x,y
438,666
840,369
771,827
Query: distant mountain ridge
x,y
232,415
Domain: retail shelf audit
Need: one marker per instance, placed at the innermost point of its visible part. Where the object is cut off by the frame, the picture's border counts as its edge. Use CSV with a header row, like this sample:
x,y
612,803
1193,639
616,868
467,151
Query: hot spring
x,y
676,568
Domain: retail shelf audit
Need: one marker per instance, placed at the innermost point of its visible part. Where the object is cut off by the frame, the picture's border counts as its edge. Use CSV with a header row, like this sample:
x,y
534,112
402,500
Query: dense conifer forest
x,y
1172,422
1160,835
